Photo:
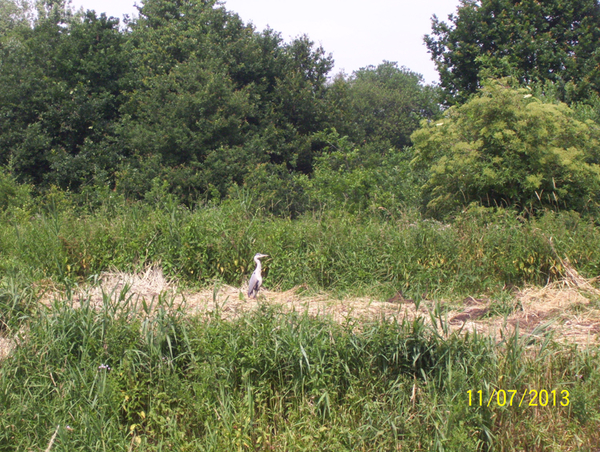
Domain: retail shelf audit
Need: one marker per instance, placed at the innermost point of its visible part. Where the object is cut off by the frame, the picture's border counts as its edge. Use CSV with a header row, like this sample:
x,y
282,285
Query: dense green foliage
x,y
210,98
60,96
187,93
383,104
129,375
507,148
534,41
189,100
188,139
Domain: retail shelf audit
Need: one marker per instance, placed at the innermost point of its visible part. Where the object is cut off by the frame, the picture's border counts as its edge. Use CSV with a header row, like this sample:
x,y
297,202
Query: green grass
x,y
367,254
131,375
144,375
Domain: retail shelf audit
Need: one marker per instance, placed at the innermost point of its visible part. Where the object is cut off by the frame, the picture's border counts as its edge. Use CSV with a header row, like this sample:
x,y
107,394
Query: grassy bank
x,y
115,378
374,253
146,375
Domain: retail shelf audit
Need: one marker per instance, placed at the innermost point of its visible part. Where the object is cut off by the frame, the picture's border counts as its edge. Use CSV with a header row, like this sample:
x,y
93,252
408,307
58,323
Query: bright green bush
x,y
358,178
505,147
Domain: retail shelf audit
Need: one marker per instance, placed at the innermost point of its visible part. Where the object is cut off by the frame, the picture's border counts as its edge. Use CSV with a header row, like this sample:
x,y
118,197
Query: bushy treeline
x,y
189,99
187,93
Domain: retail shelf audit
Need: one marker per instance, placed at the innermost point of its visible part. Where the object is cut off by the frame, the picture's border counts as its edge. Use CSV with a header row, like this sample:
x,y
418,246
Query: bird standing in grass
x,y
256,278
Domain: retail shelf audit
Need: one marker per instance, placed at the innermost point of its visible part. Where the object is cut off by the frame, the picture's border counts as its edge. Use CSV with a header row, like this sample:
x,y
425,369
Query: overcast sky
x,y
357,33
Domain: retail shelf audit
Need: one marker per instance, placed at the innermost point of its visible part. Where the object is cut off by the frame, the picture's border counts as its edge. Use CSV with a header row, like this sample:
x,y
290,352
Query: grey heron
x,y
256,278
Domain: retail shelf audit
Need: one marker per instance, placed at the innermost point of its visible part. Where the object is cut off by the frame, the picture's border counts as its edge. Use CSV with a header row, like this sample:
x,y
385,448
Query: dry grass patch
x,y
232,302
148,285
565,312
563,307
7,345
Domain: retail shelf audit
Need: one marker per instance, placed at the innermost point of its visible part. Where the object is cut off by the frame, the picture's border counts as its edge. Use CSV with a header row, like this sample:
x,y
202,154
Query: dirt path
x,y
569,310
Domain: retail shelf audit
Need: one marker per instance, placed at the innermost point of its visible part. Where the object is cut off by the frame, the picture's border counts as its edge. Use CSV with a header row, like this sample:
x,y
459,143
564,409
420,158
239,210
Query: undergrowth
x,y
376,253
138,375
144,375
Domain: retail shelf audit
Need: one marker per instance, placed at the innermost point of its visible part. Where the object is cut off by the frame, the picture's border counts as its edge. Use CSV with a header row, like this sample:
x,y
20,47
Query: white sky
x,y
356,32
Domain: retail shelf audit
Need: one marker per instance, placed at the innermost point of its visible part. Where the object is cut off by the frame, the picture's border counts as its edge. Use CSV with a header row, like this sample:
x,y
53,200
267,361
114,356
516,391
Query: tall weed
x,y
365,254
139,375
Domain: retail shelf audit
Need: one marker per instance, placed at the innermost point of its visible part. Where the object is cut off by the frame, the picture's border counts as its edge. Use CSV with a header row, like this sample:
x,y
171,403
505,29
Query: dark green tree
x,y
211,96
298,105
554,41
60,95
182,101
383,104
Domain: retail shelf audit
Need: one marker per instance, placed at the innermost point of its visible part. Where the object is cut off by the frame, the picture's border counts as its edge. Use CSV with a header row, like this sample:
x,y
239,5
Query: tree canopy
x,y
189,101
186,92
554,41
60,95
383,103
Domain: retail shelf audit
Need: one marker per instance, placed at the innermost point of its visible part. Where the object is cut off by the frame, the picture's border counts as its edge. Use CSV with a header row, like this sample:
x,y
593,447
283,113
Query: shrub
x,y
12,194
505,147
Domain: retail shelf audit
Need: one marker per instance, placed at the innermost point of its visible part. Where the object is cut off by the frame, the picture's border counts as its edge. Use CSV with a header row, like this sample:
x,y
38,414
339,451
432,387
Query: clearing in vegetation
x,y
561,309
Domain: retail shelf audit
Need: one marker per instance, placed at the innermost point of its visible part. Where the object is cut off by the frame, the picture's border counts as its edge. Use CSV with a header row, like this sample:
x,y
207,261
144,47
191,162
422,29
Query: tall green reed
x,y
365,254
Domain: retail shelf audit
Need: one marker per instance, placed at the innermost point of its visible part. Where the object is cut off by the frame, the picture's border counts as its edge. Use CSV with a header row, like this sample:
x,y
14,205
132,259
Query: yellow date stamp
x,y
526,398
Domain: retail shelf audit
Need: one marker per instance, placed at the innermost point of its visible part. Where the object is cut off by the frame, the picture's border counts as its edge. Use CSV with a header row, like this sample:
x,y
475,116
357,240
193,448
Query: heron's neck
x,y
257,263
